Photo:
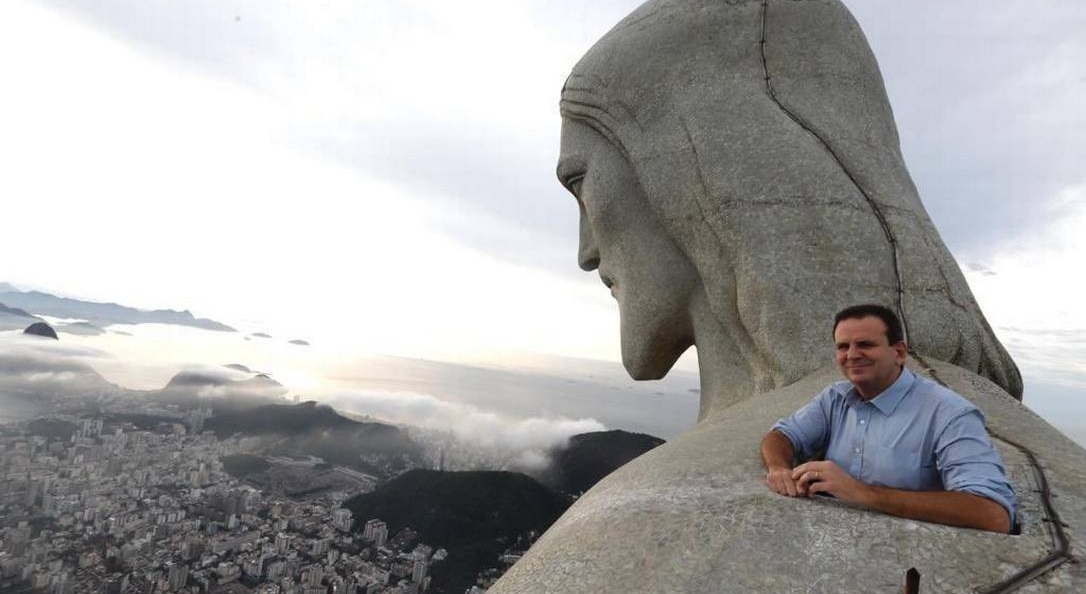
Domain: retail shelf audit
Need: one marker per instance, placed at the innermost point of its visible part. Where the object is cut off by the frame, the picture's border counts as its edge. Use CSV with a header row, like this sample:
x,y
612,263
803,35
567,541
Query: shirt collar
x,y
888,401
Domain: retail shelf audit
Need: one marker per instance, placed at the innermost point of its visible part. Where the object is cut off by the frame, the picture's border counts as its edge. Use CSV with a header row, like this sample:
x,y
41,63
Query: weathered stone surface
x,y
740,180
694,516
781,194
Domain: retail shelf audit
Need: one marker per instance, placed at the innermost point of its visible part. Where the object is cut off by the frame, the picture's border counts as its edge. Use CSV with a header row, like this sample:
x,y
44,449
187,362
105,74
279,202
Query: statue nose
x,y
588,257
588,253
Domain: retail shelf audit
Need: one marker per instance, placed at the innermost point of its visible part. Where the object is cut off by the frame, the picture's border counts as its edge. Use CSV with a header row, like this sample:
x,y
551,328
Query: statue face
x,y
621,236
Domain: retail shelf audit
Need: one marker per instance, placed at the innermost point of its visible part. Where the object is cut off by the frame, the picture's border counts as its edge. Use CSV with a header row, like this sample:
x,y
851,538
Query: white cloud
x,y
1035,298
31,365
319,169
144,181
40,377
17,343
468,423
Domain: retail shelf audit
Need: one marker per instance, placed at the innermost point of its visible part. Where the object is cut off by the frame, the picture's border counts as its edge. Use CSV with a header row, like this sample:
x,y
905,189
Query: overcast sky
x,y
378,174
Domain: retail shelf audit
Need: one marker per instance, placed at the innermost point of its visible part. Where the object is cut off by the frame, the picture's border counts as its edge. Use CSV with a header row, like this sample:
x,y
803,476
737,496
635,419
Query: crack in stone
x,y
942,274
1061,545
895,256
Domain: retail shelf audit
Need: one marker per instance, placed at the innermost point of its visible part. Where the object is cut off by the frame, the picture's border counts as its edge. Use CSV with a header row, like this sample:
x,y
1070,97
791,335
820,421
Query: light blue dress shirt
x,y
916,435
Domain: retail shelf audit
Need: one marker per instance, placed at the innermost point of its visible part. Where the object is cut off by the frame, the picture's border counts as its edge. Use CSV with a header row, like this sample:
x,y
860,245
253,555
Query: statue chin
x,y
650,353
642,369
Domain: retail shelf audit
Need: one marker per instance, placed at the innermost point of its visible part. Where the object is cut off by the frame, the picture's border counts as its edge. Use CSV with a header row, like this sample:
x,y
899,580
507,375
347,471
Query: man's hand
x,y
777,454
780,481
827,477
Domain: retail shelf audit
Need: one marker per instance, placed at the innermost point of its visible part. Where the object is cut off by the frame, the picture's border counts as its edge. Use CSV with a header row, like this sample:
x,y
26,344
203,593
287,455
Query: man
x,y
892,441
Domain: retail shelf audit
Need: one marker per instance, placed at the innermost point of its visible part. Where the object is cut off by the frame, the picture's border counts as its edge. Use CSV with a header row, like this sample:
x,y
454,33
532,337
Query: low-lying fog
x,y
521,404
517,407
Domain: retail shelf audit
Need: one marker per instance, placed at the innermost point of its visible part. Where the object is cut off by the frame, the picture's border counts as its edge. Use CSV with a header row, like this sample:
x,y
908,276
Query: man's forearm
x,y
944,507
777,451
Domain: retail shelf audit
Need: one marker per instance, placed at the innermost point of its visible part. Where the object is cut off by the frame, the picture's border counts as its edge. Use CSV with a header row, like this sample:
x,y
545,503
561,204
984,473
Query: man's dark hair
x,y
894,332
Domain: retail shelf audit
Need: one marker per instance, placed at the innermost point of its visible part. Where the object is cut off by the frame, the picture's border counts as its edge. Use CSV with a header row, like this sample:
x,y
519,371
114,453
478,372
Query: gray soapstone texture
x,y
745,153
694,516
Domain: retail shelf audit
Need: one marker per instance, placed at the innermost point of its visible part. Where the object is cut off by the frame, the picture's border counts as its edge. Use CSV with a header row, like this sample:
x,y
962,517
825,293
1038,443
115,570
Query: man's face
x,y
621,236
865,355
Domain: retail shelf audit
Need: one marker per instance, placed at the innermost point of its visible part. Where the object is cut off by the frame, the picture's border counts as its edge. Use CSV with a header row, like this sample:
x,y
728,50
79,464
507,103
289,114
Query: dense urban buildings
x,y
101,505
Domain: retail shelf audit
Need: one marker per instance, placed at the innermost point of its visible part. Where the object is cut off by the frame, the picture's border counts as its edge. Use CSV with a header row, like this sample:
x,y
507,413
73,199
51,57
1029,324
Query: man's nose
x,y
853,352
588,253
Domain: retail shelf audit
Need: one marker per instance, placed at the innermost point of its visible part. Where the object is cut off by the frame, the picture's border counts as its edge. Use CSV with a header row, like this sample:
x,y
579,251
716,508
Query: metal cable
x,y
1061,544
895,257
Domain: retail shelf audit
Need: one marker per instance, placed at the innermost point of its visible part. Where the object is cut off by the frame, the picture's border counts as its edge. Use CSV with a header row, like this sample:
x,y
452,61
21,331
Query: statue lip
x,y
609,283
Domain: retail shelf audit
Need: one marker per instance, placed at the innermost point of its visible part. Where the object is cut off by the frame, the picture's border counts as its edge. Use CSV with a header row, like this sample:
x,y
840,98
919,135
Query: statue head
x,y
742,155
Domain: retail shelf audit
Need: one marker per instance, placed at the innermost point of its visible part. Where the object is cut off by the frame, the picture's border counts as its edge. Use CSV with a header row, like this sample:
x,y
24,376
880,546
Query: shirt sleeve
x,y
968,462
809,427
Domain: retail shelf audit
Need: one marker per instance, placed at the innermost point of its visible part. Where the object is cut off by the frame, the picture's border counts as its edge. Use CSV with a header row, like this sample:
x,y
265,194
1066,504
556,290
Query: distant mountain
x,y
101,314
13,318
283,419
313,429
589,457
219,390
299,342
7,287
35,377
41,329
14,311
82,329
475,515
260,335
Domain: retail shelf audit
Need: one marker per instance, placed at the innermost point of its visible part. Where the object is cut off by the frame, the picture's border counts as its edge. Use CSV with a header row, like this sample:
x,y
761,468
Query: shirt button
x,y
857,450
862,421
